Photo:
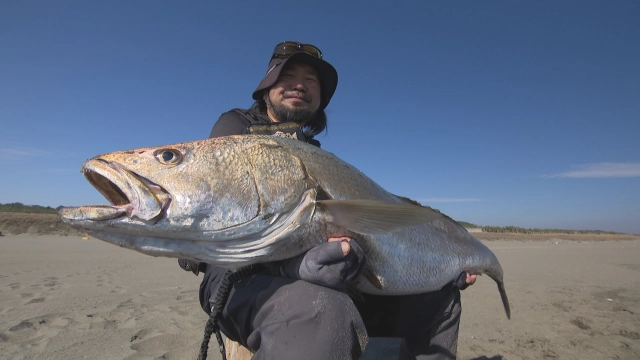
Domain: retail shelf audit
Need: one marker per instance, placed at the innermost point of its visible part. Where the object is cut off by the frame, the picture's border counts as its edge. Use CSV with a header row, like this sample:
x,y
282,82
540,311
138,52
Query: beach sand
x,y
62,297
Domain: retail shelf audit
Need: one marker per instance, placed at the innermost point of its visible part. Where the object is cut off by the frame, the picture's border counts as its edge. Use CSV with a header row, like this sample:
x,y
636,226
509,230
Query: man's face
x,y
296,94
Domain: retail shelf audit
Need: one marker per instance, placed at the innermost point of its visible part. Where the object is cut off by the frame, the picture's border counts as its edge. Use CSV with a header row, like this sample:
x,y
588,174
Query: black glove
x,y
326,265
192,265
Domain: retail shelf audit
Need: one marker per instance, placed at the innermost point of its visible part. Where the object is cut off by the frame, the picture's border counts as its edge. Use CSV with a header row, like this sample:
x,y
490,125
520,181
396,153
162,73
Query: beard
x,y
298,114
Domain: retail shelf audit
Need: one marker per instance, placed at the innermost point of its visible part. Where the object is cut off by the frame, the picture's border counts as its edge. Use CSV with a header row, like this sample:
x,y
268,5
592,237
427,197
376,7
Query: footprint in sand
x,y
105,280
143,334
122,317
631,335
88,272
184,297
35,301
32,335
23,325
182,310
15,286
581,323
36,269
50,282
562,306
33,298
118,290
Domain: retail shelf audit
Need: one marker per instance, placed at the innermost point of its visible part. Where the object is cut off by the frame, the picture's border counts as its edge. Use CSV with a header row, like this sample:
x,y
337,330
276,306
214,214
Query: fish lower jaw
x,y
98,213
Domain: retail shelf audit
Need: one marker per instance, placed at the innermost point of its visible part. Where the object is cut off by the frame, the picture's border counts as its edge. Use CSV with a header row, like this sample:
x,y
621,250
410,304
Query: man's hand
x,y
345,243
470,279
333,264
464,280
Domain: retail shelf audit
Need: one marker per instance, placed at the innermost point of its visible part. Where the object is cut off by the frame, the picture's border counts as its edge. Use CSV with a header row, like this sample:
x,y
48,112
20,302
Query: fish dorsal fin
x,y
375,217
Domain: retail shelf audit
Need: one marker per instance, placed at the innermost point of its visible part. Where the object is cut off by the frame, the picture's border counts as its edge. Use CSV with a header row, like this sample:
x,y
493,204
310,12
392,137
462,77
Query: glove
x,y
326,265
192,265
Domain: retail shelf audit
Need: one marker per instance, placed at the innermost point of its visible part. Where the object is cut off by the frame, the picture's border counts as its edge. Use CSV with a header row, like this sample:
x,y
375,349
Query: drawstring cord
x,y
219,300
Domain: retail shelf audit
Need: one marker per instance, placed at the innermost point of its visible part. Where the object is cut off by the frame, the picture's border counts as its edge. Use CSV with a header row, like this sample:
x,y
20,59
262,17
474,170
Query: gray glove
x,y
325,265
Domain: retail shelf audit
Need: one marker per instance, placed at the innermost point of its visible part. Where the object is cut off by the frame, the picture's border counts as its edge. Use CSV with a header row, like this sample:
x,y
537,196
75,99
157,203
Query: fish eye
x,y
168,156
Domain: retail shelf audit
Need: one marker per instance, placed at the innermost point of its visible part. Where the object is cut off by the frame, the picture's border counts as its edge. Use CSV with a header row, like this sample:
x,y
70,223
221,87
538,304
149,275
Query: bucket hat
x,y
293,51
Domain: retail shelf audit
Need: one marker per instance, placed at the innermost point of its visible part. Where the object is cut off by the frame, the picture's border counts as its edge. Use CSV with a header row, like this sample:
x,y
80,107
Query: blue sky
x,y
496,112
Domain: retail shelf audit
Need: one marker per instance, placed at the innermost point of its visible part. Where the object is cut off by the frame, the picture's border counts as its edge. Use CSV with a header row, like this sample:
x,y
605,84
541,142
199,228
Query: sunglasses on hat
x,y
288,48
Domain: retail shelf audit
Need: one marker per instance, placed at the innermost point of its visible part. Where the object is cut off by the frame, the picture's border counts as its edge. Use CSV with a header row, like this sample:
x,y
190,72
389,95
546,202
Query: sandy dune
x,y
65,298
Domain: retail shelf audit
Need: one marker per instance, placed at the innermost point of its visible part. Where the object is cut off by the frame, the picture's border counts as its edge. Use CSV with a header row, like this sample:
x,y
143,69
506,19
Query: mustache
x,y
297,94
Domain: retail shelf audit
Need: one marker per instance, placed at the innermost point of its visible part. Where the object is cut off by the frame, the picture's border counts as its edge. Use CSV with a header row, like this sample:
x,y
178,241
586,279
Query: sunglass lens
x,y
312,50
288,48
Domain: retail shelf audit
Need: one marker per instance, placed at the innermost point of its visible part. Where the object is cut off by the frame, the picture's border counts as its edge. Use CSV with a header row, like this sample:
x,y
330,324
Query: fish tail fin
x,y
505,300
496,275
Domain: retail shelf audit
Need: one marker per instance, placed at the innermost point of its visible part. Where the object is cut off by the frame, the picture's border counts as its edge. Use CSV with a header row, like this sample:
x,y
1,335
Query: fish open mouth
x,y
129,194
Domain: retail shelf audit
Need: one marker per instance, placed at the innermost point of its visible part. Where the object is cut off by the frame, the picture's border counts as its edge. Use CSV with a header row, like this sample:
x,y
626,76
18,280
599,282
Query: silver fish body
x,y
238,200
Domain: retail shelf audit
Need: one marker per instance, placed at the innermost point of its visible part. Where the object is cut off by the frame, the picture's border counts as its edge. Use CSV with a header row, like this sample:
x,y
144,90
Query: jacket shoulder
x,y
232,122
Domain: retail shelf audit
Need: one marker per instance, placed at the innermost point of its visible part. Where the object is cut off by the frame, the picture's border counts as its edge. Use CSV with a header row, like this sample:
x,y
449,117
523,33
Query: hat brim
x,y
327,73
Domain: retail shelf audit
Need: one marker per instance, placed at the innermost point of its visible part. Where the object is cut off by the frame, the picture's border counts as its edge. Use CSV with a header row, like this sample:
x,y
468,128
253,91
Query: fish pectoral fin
x,y
371,277
375,217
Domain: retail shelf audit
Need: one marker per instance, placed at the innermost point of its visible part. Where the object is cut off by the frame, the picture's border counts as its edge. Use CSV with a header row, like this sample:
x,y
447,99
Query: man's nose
x,y
299,85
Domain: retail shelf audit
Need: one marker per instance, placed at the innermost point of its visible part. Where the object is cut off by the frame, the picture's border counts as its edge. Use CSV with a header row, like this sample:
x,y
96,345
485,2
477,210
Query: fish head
x,y
242,197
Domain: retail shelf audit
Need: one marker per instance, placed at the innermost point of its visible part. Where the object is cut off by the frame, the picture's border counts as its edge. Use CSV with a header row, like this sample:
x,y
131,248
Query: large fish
x,y
238,200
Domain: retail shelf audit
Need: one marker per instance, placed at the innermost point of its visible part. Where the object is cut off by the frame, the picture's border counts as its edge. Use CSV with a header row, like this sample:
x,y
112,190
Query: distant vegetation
x,y
468,225
519,230
22,208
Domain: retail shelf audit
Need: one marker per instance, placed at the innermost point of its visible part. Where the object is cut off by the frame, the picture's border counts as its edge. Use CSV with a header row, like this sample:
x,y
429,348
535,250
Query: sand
x,y
66,298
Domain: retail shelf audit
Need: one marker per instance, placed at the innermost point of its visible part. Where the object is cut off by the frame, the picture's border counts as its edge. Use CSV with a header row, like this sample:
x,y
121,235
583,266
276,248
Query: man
x,y
300,308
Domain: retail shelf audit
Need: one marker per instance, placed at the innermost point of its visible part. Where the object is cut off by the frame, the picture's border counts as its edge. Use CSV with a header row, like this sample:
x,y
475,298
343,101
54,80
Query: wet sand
x,y
66,298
